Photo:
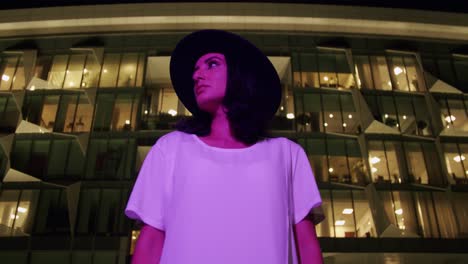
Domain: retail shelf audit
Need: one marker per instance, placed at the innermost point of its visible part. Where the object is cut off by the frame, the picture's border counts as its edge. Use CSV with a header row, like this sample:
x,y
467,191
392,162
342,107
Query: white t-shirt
x,y
219,205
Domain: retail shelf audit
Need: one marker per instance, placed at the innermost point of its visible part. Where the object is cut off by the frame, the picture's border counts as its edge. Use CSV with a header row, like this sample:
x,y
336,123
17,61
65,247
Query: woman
x,y
216,190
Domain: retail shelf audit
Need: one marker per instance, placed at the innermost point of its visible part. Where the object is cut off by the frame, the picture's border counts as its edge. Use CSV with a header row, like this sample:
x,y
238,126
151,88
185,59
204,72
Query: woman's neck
x,y
221,134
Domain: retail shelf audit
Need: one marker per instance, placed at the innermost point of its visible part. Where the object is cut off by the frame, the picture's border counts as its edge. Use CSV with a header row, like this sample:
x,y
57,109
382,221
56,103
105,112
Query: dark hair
x,y
249,123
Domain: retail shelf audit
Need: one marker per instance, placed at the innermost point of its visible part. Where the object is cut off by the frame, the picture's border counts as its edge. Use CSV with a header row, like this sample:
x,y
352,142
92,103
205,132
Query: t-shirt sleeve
x,y
150,193
306,196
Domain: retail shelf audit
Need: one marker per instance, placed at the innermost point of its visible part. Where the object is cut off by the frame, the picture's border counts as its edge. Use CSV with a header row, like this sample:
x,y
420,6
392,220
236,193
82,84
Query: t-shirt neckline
x,y
223,149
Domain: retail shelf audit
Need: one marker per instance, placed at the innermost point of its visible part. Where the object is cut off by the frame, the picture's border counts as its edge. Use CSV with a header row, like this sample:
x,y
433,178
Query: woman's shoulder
x,y
283,141
168,140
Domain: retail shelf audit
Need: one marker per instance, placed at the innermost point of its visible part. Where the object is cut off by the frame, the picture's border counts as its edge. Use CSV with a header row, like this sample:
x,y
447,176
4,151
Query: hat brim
x,y
198,43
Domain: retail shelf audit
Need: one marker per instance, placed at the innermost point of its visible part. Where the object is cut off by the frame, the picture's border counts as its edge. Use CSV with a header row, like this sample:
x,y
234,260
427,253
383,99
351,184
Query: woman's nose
x,y
198,74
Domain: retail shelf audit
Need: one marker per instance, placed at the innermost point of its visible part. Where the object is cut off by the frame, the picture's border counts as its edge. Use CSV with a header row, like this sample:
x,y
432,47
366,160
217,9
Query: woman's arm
x,y
308,244
148,248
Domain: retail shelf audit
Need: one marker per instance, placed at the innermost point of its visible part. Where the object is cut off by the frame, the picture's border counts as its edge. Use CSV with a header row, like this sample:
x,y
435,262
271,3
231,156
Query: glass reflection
x,y
9,114
409,115
455,161
110,70
380,73
57,71
12,73
325,112
344,214
453,113
400,211
17,209
74,72
110,159
384,162
116,112
335,160
322,69
347,214
461,71
128,69
461,211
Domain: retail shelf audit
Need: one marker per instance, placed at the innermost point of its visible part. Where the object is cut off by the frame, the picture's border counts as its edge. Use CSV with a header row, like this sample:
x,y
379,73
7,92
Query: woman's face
x,y
210,78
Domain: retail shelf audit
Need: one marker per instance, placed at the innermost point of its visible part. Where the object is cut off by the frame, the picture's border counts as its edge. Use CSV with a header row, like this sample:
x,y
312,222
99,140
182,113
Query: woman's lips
x,y
200,89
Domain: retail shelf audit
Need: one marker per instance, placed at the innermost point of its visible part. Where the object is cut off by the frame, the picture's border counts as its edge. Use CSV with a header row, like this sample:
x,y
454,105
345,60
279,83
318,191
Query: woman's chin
x,y
208,106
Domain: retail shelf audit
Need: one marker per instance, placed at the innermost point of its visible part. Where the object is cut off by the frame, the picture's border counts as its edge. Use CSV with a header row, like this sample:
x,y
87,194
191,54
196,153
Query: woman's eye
x,y
212,63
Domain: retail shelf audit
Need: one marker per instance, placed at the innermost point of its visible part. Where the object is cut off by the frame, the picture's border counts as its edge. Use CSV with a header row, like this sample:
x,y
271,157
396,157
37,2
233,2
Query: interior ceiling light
x,y
450,118
397,70
340,222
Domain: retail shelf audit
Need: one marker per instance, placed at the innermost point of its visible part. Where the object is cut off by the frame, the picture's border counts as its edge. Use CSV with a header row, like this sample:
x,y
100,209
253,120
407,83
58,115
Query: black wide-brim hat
x,y
198,43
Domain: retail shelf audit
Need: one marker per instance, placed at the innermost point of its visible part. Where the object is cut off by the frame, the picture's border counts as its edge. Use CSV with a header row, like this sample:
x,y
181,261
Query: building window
x,y
326,112
423,163
48,158
54,218
110,158
460,64
347,214
49,256
161,108
454,112
435,215
75,71
392,72
456,161
385,158
122,70
17,209
461,212
387,162
9,114
372,72
322,69
74,113
407,114
12,72
335,160
84,70
441,68
3,163
58,70
116,111
101,211
406,73
399,208
58,111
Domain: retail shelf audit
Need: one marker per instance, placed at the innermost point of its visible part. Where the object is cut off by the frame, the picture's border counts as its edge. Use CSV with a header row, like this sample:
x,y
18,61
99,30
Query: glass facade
x,y
348,215
322,68
9,113
326,111
394,161
389,72
404,113
71,71
12,70
99,114
454,112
